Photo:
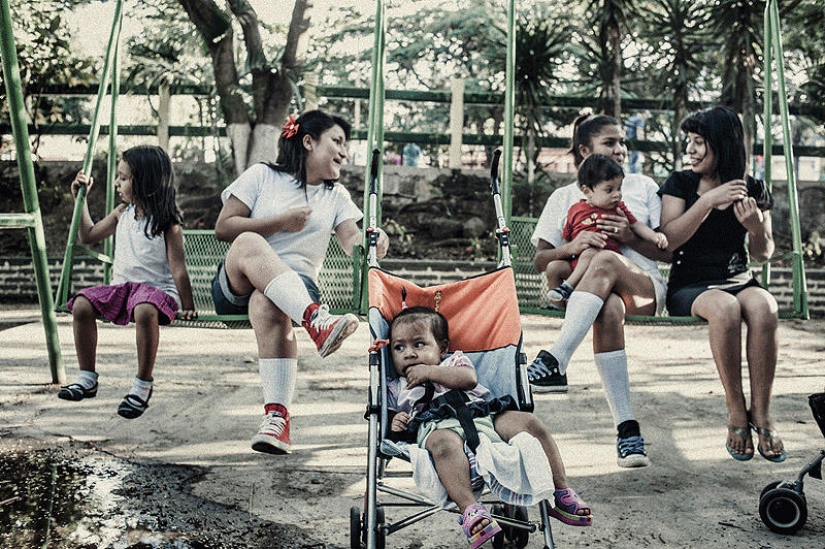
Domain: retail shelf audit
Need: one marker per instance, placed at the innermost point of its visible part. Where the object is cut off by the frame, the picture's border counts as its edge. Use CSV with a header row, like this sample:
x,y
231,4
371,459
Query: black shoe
x,y
132,406
76,392
559,295
544,375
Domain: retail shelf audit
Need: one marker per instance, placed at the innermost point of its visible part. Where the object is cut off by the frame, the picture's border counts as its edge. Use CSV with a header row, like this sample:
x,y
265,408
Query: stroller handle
x,y
502,232
495,185
372,233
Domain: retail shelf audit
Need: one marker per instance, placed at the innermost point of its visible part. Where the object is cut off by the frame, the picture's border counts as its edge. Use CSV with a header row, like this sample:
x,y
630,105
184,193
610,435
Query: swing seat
x,y
339,281
531,285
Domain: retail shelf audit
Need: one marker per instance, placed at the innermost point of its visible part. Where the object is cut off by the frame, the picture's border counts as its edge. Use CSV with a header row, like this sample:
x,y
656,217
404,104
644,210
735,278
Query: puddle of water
x,y
68,497
51,500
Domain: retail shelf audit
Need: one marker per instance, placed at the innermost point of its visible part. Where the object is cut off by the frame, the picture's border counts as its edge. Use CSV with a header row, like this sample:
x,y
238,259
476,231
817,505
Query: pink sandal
x,y
473,515
568,505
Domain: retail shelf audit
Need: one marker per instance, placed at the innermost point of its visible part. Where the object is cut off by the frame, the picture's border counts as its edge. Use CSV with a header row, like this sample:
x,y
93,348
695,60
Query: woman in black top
x,y
707,213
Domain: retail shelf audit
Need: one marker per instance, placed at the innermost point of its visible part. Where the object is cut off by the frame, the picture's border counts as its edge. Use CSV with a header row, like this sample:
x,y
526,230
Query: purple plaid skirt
x,y
116,303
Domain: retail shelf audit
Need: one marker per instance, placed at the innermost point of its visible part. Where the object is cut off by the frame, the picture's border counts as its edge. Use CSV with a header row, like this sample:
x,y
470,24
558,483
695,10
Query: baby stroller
x,y
782,505
484,323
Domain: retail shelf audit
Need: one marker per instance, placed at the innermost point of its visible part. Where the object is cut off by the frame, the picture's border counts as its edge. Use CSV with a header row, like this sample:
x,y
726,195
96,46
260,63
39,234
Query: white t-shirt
x,y
639,193
141,259
267,192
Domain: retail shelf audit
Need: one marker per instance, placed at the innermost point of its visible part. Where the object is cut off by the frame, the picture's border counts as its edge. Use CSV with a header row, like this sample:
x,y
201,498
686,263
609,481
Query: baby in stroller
x,y
429,386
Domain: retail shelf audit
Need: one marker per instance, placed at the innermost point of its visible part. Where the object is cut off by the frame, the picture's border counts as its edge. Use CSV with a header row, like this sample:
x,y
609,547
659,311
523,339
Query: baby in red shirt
x,y
600,179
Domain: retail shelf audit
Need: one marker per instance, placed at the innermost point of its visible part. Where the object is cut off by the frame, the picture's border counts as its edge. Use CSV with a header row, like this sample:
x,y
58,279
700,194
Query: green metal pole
x,y
767,143
37,237
799,283
111,172
375,130
64,285
375,124
509,113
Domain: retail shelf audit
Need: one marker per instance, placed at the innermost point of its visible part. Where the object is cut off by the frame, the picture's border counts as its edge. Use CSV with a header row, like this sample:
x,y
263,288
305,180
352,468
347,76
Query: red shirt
x,y
583,216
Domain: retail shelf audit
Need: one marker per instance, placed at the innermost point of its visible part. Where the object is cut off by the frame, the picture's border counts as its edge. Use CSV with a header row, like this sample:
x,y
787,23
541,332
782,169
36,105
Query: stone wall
x,y
17,282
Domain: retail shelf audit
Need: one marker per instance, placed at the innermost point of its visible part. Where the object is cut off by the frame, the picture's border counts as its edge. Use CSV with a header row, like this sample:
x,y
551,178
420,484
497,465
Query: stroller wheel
x,y
518,536
358,532
521,536
769,487
380,533
498,540
783,510
355,532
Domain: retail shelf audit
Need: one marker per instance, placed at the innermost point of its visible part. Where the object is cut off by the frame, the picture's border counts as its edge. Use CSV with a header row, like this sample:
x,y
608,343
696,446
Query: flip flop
x,y
768,434
742,433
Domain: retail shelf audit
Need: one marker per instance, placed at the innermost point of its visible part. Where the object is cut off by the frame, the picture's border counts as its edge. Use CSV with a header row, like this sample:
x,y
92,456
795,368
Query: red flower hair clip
x,y
290,128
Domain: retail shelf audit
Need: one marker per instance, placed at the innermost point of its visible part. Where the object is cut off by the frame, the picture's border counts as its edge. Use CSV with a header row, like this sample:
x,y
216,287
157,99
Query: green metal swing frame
x,y
31,220
345,286
531,285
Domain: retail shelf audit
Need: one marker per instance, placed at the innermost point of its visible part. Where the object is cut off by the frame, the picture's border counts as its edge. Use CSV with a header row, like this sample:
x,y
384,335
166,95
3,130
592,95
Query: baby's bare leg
x,y
453,468
581,266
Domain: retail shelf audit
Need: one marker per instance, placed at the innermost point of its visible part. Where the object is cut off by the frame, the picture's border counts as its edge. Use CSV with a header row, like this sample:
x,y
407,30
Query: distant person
x,y
635,131
419,340
279,219
716,218
392,158
412,154
150,283
600,179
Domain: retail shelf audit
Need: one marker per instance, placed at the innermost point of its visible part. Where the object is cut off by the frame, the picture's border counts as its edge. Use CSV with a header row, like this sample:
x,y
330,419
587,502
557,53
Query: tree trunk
x,y
254,137
616,73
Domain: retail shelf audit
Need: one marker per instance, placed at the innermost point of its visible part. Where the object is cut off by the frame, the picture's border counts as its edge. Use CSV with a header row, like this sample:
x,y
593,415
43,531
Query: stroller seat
x,y
485,325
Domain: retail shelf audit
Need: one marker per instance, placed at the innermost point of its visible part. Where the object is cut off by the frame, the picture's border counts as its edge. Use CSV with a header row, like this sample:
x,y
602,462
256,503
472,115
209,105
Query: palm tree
x,y
741,23
610,20
542,39
676,30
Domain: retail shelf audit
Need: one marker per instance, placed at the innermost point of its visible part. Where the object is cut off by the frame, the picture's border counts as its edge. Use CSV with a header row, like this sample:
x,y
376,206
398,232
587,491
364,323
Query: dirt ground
x,y
183,475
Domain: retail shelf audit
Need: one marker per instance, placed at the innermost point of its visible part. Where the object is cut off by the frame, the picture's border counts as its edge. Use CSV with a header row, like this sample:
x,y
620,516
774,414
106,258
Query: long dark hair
x,y
153,187
292,155
585,128
722,131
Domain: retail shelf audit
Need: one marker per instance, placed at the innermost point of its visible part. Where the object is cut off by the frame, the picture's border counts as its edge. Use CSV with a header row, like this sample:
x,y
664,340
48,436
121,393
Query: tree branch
x,y
248,19
297,38
215,26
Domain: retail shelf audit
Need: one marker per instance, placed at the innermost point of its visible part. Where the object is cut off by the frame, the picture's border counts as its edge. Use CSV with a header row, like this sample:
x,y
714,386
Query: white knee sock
x,y
612,368
278,378
288,293
582,310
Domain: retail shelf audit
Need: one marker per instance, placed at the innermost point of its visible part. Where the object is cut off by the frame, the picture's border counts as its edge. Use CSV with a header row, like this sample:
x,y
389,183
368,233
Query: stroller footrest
x,y
394,449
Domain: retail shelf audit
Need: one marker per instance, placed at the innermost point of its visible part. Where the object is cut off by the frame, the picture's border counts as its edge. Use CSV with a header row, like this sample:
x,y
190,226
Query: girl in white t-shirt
x,y
150,282
279,219
613,286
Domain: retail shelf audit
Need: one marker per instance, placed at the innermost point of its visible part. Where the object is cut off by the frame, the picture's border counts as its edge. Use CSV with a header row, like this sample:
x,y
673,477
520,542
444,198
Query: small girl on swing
x,y
150,284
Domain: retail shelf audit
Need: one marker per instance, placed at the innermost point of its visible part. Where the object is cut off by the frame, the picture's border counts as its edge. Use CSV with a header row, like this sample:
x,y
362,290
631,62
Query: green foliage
x,y
807,49
168,51
46,56
399,235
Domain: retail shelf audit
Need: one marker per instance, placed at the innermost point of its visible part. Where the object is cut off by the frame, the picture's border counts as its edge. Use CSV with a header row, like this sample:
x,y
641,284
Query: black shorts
x,y
680,301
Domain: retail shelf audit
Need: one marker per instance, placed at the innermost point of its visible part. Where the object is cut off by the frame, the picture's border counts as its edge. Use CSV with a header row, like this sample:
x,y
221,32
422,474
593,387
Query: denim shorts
x,y
228,303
